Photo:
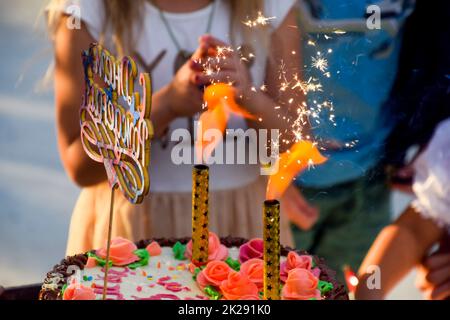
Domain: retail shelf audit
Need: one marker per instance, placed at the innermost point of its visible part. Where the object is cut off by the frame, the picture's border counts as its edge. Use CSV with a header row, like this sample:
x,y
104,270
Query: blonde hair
x,y
120,15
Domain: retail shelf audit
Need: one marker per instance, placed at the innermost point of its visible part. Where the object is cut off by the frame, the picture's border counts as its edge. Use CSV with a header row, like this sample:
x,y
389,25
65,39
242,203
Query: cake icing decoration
x,y
234,264
213,275
301,284
316,272
143,257
254,269
252,249
121,252
325,287
77,291
216,250
154,249
179,251
212,293
238,286
91,263
99,261
294,261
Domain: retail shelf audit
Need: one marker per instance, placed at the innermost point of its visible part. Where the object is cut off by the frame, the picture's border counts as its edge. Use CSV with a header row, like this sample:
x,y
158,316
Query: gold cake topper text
x,y
113,135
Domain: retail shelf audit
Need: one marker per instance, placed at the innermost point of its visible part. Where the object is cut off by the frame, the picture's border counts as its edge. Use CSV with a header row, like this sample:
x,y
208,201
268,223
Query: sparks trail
x,y
260,20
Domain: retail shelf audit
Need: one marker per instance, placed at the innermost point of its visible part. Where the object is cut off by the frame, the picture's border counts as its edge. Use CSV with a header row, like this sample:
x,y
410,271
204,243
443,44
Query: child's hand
x,y
185,98
297,209
228,69
433,277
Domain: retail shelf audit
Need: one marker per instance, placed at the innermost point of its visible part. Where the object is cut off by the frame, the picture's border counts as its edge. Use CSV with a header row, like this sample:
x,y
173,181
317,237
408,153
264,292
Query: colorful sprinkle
x,y
138,288
87,278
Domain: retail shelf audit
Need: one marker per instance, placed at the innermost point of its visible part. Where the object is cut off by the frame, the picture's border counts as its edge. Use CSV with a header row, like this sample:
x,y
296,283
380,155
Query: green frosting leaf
x,y
179,250
196,272
212,293
324,287
101,262
63,289
143,256
234,264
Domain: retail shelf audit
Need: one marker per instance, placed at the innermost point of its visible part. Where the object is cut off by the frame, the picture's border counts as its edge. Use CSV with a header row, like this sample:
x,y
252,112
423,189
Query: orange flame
x,y
302,155
220,100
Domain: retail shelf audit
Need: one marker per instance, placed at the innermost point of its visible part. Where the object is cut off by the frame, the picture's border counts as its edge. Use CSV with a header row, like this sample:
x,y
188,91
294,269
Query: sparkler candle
x,y
271,234
200,214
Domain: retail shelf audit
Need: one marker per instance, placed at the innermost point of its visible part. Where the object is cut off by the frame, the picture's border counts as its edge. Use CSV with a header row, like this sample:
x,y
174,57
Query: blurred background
x,y
36,196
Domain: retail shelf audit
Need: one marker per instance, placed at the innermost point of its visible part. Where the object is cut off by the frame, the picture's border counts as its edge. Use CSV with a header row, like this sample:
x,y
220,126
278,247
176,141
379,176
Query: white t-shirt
x,y
152,39
432,177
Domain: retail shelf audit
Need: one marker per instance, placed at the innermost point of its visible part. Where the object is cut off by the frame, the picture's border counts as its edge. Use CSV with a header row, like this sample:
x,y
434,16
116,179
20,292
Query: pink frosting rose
x,y
154,249
252,249
254,269
76,291
213,275
301,284
316,272
216,250
294,261
238,286
90,263
121,252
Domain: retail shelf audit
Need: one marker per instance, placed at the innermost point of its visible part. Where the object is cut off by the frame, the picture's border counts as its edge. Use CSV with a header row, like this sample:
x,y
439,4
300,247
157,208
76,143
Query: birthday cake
x,y
161,269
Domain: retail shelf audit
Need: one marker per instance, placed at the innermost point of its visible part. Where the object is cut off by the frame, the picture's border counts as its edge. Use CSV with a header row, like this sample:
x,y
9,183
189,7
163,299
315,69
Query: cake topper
x,y
113,135
117,137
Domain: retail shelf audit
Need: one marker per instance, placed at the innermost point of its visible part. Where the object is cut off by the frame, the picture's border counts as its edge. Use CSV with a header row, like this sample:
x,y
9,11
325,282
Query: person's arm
x,y
396,251
179,98
285,45
69,84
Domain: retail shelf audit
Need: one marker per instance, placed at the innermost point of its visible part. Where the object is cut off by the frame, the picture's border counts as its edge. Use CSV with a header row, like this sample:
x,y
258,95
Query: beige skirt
x,y
235,212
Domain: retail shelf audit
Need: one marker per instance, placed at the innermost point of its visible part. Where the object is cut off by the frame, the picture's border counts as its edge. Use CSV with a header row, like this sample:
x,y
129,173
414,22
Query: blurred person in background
x,y
420,101
404,244
350,193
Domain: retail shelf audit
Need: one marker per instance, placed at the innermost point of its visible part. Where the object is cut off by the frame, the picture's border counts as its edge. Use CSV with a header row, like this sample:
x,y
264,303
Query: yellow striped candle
x,y
271,234
200,214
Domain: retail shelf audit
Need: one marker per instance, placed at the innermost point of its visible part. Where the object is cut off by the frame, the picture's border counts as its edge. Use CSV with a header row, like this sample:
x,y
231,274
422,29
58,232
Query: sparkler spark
x,y
295,86
260,20
320,63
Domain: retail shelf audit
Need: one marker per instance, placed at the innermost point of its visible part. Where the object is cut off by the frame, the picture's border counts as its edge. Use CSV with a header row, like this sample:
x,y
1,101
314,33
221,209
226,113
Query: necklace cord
x,y
172,34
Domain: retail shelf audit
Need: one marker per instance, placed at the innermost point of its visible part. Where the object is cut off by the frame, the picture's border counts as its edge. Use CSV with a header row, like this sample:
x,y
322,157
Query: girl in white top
x,y
402,245
163,36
